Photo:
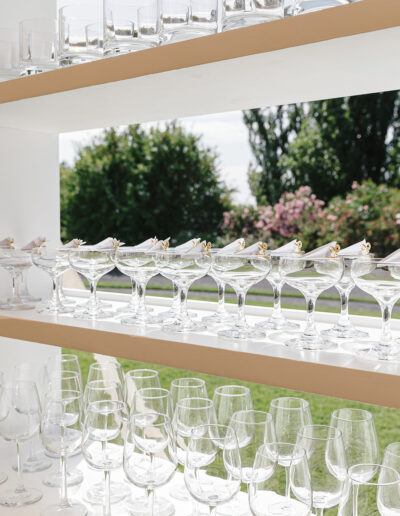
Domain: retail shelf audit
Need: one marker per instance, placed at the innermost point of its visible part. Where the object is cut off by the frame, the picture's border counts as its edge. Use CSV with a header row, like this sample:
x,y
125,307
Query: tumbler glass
x,y
148,25
188,19
242,13
37,46
8,54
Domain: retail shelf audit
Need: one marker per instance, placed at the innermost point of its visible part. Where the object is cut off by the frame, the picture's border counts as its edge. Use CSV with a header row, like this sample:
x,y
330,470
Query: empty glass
x,y
187,388
140,379
149,25
391,457
309,6
188,19
268,495
241,13
175,20
152,399
109,370
94,40
37,46
16,263
229,399
64,362
19,421
8,54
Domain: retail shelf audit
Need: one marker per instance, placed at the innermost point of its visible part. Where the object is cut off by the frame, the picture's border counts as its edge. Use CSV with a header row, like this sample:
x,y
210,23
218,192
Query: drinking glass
x,y
175,20
61,432
290,7
92,265
16,263
73,23
102,442
150,457
380,495
120,26
382,282
187,388
311,277
327,462
268,494
212,467
149,25
221,315
310,6
188,19
140,379
64,362
183,269
242,13
391,457
359,437
37,46
94,40
241,272
229,399
107,371
54,262
8,54
3,476
19,421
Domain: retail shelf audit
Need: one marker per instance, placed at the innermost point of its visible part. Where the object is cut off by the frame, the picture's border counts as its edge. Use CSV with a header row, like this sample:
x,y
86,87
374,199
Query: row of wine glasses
x,y
284,462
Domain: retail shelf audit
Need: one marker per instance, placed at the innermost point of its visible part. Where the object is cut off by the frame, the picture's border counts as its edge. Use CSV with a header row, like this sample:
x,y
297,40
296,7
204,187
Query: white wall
x,y
12,12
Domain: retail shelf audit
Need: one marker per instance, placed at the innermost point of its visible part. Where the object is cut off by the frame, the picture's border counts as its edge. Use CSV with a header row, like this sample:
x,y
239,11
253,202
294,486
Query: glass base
x,y
31,299
98,314
3,477
162,507
373,350
246,20
139,320
278,323
183,326
14,305
95,495
311,343
13,498
53,310
218,318
34,465
74,478
245,333
72,509
344,332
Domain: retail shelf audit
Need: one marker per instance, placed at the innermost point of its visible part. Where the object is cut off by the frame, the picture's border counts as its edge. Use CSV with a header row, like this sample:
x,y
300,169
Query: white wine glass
x,y
140,379
391,456
108,370
181,388
229,399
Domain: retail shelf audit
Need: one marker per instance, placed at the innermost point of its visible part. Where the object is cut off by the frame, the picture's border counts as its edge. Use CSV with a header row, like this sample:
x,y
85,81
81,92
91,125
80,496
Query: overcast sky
x,y
224,132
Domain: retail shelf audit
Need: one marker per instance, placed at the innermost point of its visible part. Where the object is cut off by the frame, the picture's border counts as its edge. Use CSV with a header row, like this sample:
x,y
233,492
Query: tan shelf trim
x,y
349,20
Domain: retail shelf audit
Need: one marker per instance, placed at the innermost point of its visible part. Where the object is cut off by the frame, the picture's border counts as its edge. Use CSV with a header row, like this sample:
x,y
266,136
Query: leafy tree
x,y
325,144
136,184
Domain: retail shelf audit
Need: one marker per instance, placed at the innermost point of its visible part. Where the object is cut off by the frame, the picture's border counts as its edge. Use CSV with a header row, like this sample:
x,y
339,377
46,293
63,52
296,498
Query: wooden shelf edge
x,y
343,21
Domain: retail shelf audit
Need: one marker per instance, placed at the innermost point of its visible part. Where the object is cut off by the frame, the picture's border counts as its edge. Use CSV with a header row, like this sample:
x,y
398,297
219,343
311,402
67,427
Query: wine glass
x,y
140,379
380,495
61,432
241,272
391,456
16,263
54,262
359,437
19,421
187,388
229,399
311,277
212,468
268,493
102,444
150,457
64,362
92,265
327,462
381,280
3,476
109,370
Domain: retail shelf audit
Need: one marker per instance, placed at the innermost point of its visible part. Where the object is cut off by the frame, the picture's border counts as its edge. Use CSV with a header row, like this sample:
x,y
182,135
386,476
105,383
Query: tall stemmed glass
x,y
3,476
64,362
229,399
16,263
19,421
311,277
327,462
212,467
109,370
183,269
102,443
268,494
140,379
241,272
391,457
54,262
61,432
92,265
359,437
187,388
150,457
381,280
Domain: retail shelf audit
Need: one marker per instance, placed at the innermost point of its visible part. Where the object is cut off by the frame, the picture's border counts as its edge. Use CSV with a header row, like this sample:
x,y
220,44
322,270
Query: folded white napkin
x,y
392,258
74,244
361,248
161,245
257,248
187,246
146,245
40,241
233,247
322,252
7,243
291,247
108,244
202,248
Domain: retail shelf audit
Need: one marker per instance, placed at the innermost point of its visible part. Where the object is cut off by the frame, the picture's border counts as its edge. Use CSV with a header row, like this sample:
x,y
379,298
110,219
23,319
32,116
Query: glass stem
x,y
277,311
241,298
183,303
93,295
55,298
16,276
107,498
132,302
20,482
386,335
141,291
287,489
344,307
176,297
24,284
310,329
64,493
221,299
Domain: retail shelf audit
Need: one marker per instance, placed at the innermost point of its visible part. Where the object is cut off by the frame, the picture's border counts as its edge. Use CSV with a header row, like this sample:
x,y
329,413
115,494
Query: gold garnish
x,y
10,242
154,241
115,243
365,249
206,246
297,246
77,242
262,248
334,251
242,245
195,242
165,245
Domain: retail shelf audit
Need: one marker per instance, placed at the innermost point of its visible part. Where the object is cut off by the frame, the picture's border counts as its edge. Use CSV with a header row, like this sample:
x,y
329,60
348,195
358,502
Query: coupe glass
x,y
19,421
187,388
212,467
3,476
391,457
229,399
37,46
327,462
102,443
8,54
92,265
311,277
268,494
344,329
140,379
278,321
380,495
221,315
54,262
310,6
241,272
382,282
242,13
61,432
359,437
16,263
183,269
150,457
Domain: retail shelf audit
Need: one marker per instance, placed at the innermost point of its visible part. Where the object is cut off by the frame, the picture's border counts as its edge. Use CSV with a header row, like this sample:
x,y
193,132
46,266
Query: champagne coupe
x,y
183,269
229,399
187,388
212,467
381,280
61,432
54,262
3,476
311,277
268,495
92,265
359,437
241,272
102,444
19,421
380,495
16,263
327,462
150,458
140,379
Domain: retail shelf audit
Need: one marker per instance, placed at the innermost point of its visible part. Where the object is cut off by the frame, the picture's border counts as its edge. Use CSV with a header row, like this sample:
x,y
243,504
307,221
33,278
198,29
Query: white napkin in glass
x,y
7,243
74,244
286,248
146,245
198,249
253,249
40,241
233,247
108,244
392,258
160,245
321,252
355,249
187,246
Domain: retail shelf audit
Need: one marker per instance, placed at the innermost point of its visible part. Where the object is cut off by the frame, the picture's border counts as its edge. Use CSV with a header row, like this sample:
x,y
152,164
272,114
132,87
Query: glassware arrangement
x,y
16,262
8,54
38,49
242,13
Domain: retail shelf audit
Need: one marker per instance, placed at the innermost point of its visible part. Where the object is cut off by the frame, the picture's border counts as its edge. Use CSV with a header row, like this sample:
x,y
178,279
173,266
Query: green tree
x,y
325,144
136,184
